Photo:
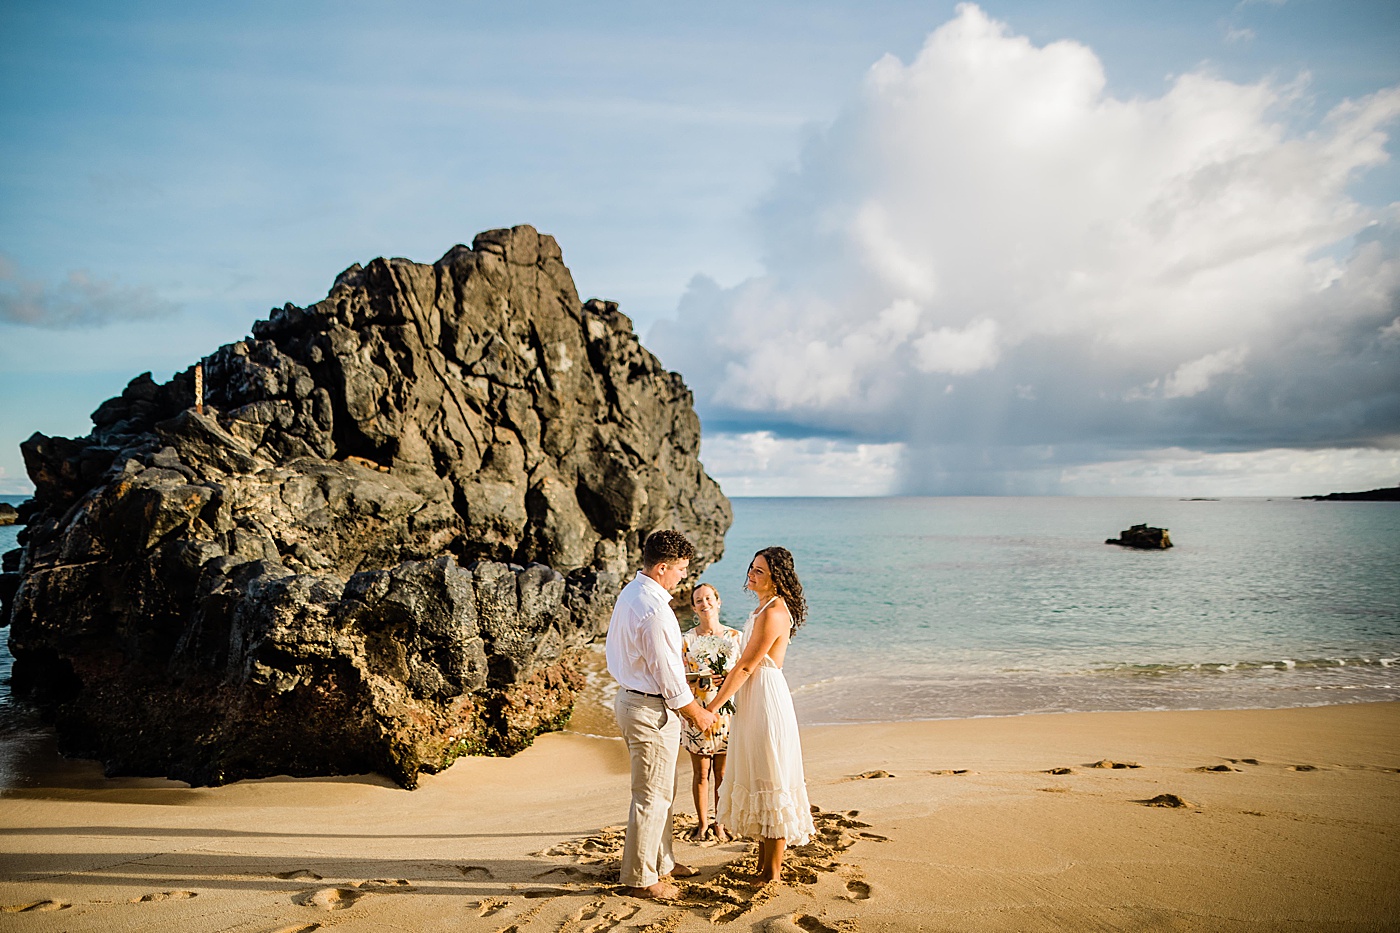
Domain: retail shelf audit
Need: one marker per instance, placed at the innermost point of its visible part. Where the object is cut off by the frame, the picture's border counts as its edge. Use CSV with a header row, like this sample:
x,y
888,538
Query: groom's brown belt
x,y
654,696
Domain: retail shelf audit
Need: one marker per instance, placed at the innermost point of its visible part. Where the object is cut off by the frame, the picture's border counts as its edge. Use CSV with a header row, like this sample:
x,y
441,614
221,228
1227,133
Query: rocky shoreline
x,y
377,541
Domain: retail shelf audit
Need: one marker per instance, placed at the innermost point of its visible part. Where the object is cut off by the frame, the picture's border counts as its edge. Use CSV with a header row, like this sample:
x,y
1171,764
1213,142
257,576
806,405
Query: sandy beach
x,y
1284,820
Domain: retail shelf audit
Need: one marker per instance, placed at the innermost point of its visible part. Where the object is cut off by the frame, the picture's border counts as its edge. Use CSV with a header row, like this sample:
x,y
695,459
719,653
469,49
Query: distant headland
x,y
1388,494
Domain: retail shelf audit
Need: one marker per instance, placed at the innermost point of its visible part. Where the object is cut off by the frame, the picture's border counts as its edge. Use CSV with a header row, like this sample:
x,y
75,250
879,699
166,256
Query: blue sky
x,y
169,172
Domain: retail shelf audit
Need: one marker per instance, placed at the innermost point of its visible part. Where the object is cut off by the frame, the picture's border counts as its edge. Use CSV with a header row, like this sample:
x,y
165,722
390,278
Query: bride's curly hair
x,y
785,579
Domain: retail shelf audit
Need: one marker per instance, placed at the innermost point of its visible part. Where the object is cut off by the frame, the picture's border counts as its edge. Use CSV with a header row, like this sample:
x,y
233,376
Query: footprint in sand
x,y
163,896
1167,800
567,871
606,842
1058,771
606,922
474,872
857,890
524,919
871,775
34,907
490,905
1116,765
666,924
1217,768
874,837
803,923
586,912
300,874
949,771
299,928
1304,768
781,925
1243,761
402,884
329,898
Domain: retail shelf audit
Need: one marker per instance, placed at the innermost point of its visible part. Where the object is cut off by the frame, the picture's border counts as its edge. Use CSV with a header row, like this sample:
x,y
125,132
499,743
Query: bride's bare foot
x,y
719,832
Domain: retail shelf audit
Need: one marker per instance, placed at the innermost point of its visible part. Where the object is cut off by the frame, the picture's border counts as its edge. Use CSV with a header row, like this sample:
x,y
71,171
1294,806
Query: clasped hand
x,y
705,720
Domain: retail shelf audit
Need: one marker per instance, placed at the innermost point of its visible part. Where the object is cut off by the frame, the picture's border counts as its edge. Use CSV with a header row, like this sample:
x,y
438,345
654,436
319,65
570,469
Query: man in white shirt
x,y
644,657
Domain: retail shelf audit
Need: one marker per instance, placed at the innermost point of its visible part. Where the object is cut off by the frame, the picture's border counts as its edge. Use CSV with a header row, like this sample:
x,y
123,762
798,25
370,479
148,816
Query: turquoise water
x,y
960,607
8,541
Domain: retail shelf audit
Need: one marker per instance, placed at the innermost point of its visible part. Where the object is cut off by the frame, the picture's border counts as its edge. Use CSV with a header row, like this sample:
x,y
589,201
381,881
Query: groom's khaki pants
x,y
653,736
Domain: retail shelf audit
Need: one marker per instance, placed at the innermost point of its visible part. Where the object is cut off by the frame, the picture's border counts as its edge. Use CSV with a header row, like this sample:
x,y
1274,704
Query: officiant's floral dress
x,y
709,654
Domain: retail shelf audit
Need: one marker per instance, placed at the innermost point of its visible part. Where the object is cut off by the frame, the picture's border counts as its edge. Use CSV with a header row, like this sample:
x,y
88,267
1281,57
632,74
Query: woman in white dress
x,y
764,795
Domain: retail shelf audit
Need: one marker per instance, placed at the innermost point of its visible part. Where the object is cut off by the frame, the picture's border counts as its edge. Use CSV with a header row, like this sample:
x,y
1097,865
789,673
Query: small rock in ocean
x,y
1143,538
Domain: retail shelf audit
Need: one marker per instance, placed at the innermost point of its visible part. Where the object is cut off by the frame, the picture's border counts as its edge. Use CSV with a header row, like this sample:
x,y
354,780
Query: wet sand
x,y
1233,820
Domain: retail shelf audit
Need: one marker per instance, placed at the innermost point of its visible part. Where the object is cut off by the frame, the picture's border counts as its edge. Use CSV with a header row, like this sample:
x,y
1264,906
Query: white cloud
x,y
1274,472
958,352
78,301
1194,377
986,217
758,463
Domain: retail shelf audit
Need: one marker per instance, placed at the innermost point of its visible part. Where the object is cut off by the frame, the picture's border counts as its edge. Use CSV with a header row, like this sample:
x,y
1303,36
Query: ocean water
x,y
935,608
958,607
8,541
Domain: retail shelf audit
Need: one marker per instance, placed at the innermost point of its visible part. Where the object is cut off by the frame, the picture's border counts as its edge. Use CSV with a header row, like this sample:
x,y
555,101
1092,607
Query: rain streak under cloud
x,y
1020,283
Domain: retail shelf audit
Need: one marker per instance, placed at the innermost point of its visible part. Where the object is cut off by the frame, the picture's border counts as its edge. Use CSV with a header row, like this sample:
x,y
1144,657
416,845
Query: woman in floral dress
x,y
710,650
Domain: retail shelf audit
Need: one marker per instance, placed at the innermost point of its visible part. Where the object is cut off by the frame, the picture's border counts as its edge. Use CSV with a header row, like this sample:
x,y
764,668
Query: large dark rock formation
x,y
401,511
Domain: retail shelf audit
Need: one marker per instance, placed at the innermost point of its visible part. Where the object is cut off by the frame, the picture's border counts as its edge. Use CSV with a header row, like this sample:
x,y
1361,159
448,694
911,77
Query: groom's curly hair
x,y
666,545
785,579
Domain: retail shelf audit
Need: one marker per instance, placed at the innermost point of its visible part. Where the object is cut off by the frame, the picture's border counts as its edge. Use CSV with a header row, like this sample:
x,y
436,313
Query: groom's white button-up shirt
x,y
644,643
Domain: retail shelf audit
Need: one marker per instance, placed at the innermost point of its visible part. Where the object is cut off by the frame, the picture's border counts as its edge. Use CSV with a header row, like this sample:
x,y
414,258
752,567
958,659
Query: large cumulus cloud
x,y
993,261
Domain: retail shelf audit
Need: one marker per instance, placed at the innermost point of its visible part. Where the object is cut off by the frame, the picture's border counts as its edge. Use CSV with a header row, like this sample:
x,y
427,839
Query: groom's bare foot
x,y
683,871
660,891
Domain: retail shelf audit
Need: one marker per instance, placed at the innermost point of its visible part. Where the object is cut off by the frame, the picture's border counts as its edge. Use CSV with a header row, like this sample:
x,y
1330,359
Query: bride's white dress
x,y
764,792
